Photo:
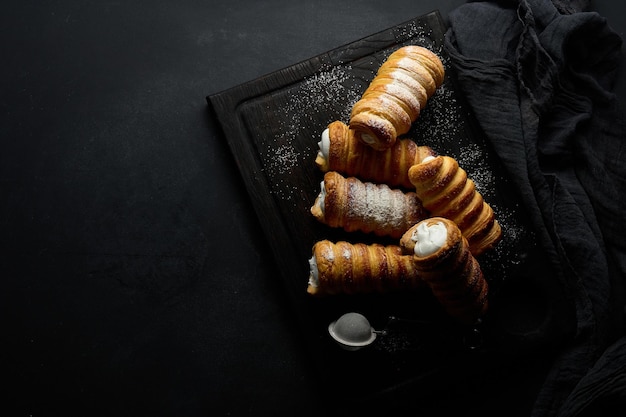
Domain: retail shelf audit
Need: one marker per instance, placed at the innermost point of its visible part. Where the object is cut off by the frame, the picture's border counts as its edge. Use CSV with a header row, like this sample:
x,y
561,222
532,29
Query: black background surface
x,y
136,279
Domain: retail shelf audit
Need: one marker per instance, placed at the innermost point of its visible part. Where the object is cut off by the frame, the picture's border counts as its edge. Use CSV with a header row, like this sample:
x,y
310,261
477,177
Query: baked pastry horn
x,y
353,205
444,262
446,191
396,96
341,151
359,268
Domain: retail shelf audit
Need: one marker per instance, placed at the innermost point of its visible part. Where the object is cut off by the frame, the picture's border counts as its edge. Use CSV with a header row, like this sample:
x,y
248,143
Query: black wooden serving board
x,y
272,125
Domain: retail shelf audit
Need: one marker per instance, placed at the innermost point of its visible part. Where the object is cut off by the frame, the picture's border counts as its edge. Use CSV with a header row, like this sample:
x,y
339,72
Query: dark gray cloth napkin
x,y
539,76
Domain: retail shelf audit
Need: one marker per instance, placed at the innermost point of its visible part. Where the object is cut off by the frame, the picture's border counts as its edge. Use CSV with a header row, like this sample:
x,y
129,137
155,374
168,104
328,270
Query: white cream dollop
x,y
319,201
429,238
314,280
324,145
367,138
427,159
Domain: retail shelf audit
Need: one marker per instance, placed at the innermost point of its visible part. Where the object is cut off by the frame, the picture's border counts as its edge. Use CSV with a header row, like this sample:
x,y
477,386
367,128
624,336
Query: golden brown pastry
x,y
359,268
367,207
444,262
341,151
396,96
445,191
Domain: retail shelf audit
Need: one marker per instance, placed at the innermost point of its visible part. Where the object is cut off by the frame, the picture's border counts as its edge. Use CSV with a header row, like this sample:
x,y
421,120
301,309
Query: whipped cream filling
x,y
314,280
429,238
324,145
321,197
367,138
427,159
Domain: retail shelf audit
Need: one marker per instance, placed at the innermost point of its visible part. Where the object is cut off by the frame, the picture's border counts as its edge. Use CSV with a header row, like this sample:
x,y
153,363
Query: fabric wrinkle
x,y
563,147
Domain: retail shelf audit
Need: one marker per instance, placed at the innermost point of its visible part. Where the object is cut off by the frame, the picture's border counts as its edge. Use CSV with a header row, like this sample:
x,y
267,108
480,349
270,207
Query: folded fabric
x,y
539,75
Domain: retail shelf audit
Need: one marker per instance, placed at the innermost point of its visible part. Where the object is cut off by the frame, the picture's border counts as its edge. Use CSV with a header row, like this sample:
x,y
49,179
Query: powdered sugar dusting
x,y
286,158
379,206
440,122
473,159
417,32
332,86
309,107
505,256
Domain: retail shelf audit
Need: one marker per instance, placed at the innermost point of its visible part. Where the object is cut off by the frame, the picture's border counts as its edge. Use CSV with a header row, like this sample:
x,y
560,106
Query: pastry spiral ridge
x,y
445,191
359,268
353,205
345,153
396,96
449,269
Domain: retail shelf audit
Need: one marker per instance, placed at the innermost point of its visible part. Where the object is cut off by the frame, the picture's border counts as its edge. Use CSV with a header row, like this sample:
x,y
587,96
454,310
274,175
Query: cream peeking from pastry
x,y
396,96
444,262
367,207
340,150
359,268
445,191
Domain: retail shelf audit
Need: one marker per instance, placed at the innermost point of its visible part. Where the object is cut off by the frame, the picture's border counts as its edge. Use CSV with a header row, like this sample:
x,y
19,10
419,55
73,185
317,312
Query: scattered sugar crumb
x,y
473,159
440,122
394,343
307,106
416,32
